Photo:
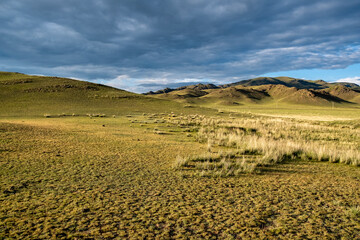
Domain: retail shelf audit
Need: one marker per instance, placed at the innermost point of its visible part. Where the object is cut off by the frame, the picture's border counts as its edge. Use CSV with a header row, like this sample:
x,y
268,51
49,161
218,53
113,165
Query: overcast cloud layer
x,y
146,45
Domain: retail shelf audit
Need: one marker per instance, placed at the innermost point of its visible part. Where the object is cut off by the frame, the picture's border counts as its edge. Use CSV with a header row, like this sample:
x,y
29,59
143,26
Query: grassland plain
x,y
87,177
80,160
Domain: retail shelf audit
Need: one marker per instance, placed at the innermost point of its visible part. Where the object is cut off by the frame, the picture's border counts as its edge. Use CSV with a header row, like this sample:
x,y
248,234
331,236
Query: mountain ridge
x,y
267,89
286,81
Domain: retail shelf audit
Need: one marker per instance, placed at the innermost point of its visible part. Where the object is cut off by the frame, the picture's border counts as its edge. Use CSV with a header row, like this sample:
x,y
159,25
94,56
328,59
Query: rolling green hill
x,y
25,95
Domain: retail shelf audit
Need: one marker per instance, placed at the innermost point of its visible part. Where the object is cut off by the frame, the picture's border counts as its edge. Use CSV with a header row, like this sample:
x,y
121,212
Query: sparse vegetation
x,y
276,140
180,162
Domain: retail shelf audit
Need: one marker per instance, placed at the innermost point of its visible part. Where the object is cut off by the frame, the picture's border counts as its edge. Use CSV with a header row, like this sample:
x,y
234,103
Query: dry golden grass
x,y
104,178
279,139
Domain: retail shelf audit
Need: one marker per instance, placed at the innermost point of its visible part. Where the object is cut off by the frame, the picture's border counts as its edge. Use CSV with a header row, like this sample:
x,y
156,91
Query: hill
x,y
233,95
345,92
26,95
267,90
285,81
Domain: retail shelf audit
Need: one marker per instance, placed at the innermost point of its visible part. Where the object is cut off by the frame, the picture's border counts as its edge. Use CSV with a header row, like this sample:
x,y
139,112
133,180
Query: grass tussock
x,y
180,162
275,140
354,212
226,167
217,164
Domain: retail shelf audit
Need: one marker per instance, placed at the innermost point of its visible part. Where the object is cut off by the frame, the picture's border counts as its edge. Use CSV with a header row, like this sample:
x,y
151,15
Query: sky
x,y
148,45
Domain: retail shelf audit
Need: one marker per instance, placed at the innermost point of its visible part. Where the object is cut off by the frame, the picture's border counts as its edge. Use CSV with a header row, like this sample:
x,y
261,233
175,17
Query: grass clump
x,y
354,212
226,167
181,162
217,164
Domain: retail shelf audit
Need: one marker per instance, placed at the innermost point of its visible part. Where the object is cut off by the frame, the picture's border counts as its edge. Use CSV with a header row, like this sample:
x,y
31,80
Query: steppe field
x,y
86,161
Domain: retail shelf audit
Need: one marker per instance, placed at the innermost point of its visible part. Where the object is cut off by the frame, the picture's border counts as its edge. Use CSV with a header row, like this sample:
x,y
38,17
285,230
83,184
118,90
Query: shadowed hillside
x,y
344,92
238,95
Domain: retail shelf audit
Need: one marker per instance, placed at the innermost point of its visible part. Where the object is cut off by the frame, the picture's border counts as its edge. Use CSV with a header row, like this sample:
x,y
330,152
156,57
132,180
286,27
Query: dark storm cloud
x,y
155,40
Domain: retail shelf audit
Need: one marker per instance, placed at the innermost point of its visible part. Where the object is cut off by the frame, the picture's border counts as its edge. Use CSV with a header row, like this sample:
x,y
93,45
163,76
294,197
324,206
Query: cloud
x,y
165,42
355,80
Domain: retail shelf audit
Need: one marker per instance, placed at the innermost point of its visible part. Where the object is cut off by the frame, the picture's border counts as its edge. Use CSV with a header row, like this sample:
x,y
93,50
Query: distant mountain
x,y
286,81
329,84
265,90
199,86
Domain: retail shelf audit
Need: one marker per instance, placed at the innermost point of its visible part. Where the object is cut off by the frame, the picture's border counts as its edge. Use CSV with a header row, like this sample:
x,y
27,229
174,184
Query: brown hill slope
x,y
237,94
277,91
312,97
343,92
